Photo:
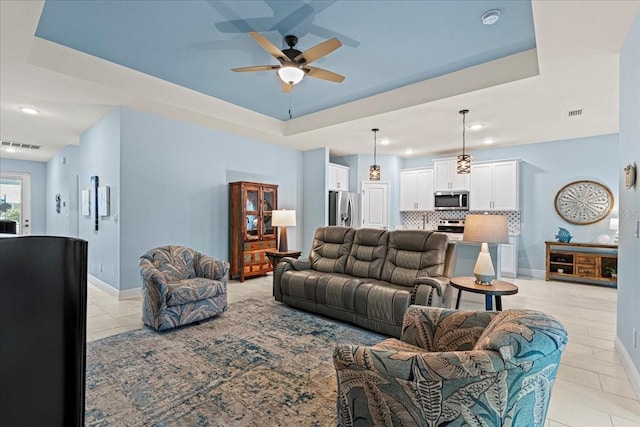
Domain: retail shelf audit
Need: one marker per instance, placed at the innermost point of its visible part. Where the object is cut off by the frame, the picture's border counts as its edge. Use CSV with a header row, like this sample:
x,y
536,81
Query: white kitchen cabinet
x,y
338,177
509,258
494,186
447,176
375,204
416,190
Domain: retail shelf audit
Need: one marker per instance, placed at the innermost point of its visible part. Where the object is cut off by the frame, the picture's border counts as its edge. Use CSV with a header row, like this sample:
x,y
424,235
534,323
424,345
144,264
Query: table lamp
x,y
283,218
485,229
613,225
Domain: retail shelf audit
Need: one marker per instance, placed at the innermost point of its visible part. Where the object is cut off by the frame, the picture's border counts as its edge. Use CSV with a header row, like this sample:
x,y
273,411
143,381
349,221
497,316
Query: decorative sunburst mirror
x,y
583,202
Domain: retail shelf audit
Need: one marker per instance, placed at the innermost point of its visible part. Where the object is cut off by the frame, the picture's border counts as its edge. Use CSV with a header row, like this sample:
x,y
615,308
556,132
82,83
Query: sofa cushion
x,y
414,253
175,262
382,301
367,253
191,290
330,289
515,333
330,249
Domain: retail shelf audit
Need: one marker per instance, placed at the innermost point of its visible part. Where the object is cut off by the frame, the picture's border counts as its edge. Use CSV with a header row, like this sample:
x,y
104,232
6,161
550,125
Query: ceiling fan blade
x,y
286,87
318,51
319,73
256,68
269,47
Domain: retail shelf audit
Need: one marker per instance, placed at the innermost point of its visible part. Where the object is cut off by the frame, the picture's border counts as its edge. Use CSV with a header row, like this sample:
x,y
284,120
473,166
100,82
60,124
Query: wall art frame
x,y
583,202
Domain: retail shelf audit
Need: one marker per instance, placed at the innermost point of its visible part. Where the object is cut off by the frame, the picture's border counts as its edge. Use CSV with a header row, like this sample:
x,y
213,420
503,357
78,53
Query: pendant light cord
x,y
375,144
464,127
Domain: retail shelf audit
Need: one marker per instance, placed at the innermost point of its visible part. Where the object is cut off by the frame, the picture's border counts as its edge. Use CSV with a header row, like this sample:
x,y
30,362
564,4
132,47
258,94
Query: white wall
x,y
175,178
99,155
629,257
62,179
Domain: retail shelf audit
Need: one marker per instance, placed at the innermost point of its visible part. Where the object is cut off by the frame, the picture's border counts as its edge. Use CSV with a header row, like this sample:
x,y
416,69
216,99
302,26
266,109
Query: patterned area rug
x,y
260,363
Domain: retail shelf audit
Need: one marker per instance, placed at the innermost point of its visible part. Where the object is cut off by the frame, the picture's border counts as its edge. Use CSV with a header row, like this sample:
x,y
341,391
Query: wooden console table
x,y
591,263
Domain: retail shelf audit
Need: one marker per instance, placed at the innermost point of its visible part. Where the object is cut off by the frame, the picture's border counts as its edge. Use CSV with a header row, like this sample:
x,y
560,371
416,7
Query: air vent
x,y
574,113
20,145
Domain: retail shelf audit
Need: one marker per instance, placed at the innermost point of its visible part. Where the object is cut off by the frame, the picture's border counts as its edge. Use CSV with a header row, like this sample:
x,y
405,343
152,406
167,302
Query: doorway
x,y
15,200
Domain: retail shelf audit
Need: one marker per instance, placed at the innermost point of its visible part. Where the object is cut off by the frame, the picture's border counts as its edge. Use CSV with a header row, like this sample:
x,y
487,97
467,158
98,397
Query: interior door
x,y
15,200
375,204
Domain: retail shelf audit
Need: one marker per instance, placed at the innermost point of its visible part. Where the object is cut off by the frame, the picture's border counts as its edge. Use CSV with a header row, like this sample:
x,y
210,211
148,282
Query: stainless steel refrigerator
x,y
344,209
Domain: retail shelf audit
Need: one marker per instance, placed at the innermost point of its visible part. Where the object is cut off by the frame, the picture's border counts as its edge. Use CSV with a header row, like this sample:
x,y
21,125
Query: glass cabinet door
x,y
251,213
268,204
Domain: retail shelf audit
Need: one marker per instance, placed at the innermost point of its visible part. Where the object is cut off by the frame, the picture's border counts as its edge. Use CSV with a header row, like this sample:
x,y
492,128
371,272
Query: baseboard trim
x,y
120,295
629,367
533,273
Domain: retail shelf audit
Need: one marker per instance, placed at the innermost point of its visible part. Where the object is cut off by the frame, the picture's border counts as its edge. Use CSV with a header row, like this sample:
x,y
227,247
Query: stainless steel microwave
x,y
451,201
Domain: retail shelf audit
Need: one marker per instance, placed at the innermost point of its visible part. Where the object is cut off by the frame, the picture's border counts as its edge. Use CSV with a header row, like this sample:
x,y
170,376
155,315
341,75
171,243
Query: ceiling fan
x,y
294,65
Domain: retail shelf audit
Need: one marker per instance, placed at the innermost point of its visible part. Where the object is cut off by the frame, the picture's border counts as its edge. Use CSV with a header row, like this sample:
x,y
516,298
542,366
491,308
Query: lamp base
x,y
483,280
484,271
283,246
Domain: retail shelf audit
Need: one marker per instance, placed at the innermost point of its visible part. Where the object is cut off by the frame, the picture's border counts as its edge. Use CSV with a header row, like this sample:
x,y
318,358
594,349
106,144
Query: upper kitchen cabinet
x,y
447,177
416,190
494,186
338,177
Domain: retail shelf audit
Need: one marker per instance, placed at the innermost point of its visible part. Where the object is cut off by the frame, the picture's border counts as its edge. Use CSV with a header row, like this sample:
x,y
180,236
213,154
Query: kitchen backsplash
x,y
415,220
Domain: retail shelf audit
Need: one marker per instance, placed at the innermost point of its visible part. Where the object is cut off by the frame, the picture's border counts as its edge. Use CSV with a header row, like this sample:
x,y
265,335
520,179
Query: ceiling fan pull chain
x,y
290,102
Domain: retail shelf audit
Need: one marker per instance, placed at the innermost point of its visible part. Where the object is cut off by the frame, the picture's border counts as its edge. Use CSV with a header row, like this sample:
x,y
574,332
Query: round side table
x,y
496,289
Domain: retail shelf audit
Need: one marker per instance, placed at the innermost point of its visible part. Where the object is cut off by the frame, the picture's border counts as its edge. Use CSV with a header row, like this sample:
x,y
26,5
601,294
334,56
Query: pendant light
x,y
464,160
374,169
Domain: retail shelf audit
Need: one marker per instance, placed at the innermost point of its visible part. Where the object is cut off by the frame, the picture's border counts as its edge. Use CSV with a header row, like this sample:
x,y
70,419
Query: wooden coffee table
x,y
496,289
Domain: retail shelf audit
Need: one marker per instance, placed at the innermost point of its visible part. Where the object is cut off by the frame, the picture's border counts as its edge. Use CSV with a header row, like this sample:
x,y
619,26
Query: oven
x,y
454,228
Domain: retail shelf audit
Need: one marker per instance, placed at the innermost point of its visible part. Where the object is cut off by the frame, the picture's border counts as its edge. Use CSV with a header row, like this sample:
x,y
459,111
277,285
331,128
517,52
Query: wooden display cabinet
x,y
582,262
251,233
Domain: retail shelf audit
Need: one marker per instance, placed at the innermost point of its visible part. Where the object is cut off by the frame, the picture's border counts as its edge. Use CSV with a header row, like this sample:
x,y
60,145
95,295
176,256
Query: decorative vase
x,y
563,235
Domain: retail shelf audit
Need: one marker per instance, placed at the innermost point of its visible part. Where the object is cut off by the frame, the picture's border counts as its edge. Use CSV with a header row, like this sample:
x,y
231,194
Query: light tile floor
x,y
591,390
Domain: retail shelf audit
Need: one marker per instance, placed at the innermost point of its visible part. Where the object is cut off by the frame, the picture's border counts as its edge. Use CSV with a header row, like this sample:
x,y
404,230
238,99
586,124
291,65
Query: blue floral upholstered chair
x,y
181,286
453,368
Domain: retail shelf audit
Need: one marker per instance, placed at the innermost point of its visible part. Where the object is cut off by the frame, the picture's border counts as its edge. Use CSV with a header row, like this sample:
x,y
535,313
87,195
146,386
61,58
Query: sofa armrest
x,y
298,264
212,268
286,264
439,329
150,274
410,365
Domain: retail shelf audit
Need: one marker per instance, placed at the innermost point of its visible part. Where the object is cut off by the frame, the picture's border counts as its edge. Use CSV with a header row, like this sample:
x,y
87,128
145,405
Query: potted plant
x,y
612,271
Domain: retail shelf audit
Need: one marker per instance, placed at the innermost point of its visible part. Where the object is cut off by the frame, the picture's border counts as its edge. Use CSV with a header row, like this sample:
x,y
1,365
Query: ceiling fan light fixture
x,y
290,74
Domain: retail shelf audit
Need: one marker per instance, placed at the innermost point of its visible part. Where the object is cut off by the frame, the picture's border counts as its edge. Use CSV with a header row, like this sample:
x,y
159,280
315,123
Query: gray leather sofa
x,y
368,277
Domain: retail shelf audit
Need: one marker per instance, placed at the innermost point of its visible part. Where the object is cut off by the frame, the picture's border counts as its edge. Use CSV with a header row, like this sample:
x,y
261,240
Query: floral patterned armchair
x,y
181,286
453,368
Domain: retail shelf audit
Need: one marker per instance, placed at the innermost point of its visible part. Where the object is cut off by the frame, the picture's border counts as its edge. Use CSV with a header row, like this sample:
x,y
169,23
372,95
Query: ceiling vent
x,y
20,145
574,113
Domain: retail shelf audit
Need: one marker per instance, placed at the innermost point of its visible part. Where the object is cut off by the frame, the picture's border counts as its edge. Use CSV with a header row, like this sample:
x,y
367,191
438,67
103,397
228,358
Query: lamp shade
x,y
486,229
290,74
283,218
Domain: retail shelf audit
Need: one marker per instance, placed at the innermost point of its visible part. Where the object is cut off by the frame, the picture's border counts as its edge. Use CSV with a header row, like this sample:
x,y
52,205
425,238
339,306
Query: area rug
x,y
260,363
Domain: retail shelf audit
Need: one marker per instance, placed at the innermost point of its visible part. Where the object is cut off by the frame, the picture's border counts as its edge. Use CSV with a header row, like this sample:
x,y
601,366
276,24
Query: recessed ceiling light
x,y
409,152
29,110
489,141
384,141
490,17
10,150
477,126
